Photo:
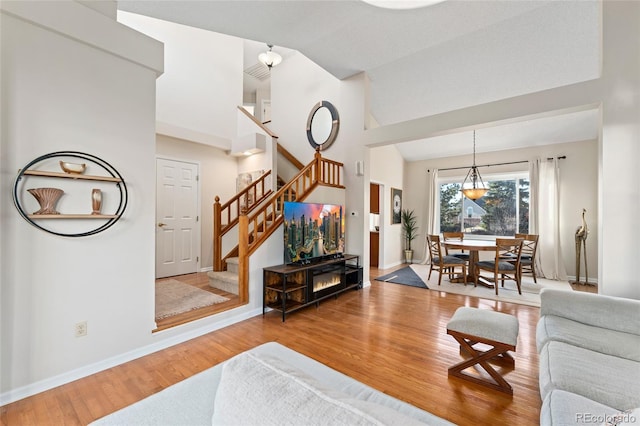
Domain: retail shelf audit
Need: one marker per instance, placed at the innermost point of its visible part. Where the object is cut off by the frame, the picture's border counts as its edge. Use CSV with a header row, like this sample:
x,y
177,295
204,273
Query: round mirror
x,y
322,125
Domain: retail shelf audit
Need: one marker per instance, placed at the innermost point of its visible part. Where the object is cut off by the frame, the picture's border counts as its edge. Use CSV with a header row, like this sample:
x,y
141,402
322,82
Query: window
x,y
503,211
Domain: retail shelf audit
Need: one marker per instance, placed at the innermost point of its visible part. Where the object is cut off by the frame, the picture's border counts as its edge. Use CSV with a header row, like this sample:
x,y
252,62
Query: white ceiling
x,y
412,56
574,127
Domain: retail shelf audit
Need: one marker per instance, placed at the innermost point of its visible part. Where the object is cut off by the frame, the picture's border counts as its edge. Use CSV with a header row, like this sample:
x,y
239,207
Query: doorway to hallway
x,y
177,220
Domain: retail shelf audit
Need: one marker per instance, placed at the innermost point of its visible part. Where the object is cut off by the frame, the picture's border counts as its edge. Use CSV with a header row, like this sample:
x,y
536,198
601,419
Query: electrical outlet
x,y
81,329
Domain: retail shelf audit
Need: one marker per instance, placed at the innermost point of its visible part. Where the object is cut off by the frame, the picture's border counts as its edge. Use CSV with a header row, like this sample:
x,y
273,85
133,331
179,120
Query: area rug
x,y
174,297
509,293
405,276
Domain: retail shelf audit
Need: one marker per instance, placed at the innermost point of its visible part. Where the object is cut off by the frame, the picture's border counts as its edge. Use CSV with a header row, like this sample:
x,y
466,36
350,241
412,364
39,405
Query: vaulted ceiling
x,y
427,60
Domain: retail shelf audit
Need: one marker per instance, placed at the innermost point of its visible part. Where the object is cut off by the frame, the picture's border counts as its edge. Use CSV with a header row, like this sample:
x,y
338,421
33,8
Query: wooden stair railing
x,y
290,157
247,200
255,227
257,122
281,149
320,171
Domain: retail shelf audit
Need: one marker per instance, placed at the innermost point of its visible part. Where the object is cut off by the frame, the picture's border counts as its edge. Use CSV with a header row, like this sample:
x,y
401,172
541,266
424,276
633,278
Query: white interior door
x,y
177,224
266,110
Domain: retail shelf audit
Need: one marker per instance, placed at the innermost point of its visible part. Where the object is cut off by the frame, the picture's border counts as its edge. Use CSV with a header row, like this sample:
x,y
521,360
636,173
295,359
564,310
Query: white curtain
x,y
544,217
432,208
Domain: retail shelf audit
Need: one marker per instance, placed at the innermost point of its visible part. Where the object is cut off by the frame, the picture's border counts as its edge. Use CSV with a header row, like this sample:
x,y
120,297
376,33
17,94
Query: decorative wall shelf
x,y
41,221
70,176
72,216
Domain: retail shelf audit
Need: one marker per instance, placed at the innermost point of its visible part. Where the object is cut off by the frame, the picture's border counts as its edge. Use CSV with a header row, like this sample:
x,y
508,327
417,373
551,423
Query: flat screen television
x,y
312,231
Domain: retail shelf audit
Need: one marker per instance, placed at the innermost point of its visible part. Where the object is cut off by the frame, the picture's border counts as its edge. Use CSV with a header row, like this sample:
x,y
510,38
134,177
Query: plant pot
x,y
408,256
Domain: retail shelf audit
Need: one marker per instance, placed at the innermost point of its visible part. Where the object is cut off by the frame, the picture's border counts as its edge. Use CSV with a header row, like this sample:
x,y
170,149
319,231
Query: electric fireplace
x,y
326,280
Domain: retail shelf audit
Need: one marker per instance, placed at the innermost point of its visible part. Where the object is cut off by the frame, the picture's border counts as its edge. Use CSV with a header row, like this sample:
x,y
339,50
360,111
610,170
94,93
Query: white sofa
x,y
589,348
270,385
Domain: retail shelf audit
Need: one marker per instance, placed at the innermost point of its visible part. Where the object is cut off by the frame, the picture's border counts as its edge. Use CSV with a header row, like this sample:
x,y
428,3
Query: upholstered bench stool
x,y
471,326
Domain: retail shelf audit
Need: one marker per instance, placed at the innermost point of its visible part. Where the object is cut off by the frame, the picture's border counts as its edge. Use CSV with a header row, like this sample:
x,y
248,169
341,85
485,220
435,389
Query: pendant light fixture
x,y
270,58
402,4
473,187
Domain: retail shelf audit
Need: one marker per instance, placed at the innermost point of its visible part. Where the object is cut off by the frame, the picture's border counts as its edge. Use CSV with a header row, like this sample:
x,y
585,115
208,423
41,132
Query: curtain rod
x,y
499,164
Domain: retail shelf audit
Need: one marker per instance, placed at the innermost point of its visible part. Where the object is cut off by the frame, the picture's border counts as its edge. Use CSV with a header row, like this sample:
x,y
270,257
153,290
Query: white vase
x,y
96,201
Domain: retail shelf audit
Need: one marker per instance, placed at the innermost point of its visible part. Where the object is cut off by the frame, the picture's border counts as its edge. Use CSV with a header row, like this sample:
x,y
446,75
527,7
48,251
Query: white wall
x,y
266,160
387,169
297,84
620,150
83,83
617,93
202,84
60,93
578,190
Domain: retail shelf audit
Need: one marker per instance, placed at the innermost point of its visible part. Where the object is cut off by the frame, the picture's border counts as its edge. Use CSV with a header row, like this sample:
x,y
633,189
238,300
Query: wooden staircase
x,y
256,222
226,280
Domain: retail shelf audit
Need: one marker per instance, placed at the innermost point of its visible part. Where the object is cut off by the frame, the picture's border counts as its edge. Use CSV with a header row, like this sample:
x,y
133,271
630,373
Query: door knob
x,y
162,224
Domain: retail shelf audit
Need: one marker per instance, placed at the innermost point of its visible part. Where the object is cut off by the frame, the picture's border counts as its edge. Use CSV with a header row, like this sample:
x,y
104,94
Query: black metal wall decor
x,y
47,197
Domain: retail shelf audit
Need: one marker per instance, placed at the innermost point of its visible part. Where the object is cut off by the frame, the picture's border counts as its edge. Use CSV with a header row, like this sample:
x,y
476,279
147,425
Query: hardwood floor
x,y
389,336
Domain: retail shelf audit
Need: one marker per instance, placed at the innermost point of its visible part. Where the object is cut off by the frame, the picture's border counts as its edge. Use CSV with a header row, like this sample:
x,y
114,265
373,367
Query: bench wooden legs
x,y
498,352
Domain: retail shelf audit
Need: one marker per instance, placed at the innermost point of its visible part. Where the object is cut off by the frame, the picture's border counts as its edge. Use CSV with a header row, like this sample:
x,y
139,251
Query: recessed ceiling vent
x,y
259,71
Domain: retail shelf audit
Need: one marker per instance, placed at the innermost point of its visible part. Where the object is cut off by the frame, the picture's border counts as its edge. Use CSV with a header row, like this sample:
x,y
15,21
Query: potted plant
x,y
409,232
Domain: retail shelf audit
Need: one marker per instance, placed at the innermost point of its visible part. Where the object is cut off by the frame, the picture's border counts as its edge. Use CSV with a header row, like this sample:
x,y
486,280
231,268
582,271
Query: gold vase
x,y
47,198
96,201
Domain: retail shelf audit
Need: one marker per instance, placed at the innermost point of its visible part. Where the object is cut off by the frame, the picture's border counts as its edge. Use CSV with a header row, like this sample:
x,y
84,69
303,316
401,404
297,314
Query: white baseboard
x,y
79,373
391,265
207,269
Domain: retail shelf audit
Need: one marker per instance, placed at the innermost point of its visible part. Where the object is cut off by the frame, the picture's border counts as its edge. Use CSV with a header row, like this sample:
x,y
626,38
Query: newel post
x,y
217,237
243,256
318,160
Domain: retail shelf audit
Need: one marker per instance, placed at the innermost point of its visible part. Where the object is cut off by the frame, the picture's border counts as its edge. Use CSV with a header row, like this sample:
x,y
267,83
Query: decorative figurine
x,y
581,242
72,168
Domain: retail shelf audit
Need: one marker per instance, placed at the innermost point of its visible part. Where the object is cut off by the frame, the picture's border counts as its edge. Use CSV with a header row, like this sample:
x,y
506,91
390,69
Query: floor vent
x,y
259,71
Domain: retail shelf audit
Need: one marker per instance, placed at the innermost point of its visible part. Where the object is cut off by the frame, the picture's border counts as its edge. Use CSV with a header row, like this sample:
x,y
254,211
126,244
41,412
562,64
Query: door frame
x,y
383,220
198,207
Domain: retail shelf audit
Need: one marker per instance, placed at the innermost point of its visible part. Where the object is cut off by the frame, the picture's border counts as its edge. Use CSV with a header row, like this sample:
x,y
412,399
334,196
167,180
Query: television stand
x,y
287,288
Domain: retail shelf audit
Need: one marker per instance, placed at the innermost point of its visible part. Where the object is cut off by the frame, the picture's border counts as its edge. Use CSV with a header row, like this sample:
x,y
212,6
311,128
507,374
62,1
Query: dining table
x,y
473,247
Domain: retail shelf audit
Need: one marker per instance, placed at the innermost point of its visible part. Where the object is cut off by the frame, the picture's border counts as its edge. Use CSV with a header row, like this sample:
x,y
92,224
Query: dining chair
x,y
459,253
506,264
454,236
443,264
528,257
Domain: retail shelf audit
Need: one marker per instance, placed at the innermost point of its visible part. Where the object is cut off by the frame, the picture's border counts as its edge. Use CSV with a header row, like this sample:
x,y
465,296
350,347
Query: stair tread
x,y
227,276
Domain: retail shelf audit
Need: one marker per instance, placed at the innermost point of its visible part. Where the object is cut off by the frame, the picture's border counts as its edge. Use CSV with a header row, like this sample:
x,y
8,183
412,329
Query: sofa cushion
x,y
610,380
565,408
491,325
189,402
259,389
614,313
627,417
616,343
